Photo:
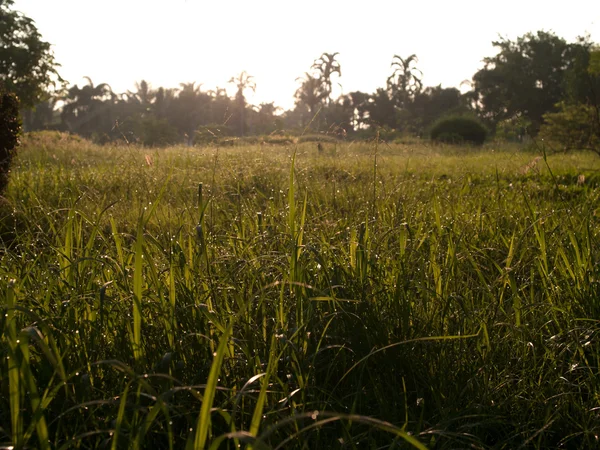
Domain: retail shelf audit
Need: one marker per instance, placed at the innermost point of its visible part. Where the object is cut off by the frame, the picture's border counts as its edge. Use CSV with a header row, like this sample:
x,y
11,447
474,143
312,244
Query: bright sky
x,y
167,42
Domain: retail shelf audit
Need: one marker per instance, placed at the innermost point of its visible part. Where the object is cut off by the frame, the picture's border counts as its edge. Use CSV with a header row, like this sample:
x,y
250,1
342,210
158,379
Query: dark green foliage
x,y
528,77
27,65
10,128
459,129
573,127
149,131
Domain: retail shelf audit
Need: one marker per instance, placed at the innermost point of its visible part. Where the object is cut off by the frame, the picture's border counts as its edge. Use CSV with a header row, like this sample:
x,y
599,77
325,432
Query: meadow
x,y
369,295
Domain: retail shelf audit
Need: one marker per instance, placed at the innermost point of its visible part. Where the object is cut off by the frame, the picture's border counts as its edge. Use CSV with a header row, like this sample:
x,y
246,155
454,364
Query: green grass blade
x,y
204,420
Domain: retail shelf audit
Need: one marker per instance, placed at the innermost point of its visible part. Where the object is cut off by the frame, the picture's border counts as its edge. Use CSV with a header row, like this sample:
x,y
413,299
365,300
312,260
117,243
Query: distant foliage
x,y
459,130
573,127
149,131
317,138
10,128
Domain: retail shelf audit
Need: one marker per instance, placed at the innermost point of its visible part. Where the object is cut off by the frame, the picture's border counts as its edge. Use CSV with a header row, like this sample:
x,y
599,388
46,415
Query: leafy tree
x,y
526,77
430,104
27,65
381,109
360,105
572,127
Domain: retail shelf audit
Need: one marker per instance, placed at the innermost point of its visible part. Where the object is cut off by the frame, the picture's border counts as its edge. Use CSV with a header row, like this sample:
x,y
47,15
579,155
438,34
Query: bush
x,y
10,129
459,130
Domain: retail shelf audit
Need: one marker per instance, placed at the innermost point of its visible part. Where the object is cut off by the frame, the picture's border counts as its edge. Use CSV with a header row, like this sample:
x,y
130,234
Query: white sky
x,y
171,41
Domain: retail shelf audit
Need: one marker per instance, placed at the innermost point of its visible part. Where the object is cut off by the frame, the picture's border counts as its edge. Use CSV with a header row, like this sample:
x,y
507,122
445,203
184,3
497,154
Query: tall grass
x,y
366,296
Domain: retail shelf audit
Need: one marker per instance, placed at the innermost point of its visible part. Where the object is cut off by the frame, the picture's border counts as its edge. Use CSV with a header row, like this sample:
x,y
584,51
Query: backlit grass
x,y
370,295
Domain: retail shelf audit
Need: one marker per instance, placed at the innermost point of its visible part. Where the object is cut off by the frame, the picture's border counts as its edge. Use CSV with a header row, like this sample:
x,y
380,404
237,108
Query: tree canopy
x,y
528,77
27,65
514,94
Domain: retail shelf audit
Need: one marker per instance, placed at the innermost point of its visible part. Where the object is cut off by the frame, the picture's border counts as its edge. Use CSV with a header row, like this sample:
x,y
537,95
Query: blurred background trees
x,y
538,83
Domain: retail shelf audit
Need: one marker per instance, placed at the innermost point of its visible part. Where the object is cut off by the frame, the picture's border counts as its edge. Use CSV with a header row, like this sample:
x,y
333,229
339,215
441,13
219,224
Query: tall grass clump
x,y
378,296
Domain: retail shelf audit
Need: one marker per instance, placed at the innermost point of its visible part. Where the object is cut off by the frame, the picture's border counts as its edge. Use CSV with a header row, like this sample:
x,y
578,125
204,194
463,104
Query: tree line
x,y
536,82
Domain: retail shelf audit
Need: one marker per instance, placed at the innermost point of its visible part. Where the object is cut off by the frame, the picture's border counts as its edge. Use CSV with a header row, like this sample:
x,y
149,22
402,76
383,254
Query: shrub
x,y
459,130
10,129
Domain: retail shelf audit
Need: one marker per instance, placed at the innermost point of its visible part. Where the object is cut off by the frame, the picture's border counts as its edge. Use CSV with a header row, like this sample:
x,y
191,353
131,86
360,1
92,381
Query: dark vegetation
x,y
10,129
515,95
459,130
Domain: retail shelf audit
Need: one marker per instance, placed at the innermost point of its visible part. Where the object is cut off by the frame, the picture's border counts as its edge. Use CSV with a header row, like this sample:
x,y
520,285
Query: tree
x,y
143,95
326,66
405,81
572,127
432,103
27,65
360,105
576,123
242,82
88,110
263,118
381,109
526,78
310,92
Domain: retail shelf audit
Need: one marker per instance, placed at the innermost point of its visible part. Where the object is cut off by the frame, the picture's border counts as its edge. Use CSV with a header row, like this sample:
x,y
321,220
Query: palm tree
x,y
163,101
190,109
242,82
326,66
87,109
405,81
143,95
310,93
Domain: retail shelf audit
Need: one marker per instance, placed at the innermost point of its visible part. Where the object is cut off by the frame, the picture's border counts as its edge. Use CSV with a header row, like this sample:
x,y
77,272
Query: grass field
x,y
367,296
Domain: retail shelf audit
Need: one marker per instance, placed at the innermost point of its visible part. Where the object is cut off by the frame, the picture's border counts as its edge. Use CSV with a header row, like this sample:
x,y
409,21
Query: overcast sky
x,y
172,41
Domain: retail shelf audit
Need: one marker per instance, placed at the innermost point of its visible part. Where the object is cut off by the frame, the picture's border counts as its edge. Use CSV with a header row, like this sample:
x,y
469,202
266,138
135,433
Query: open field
x,y
366,296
